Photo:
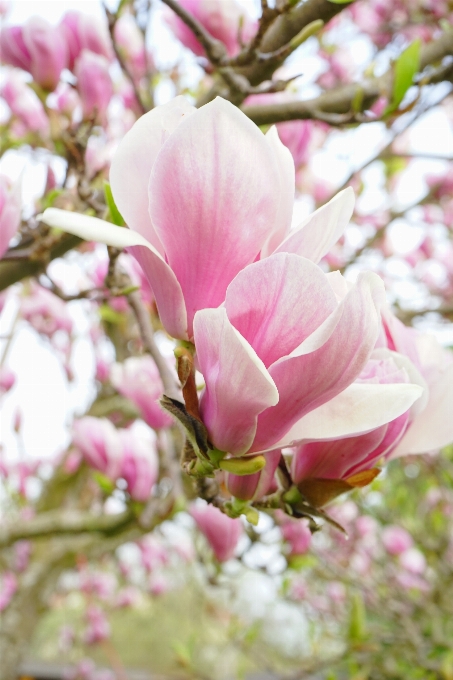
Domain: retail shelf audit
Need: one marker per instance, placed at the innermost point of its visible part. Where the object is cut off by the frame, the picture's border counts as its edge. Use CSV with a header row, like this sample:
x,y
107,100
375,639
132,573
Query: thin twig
x,y
147,335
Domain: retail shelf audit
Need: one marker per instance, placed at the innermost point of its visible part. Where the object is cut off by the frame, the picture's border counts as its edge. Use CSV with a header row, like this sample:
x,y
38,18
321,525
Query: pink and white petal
x,y
287,190
432,428
360,408
306,380
134,158
238,386
166,289
278,302
316,235
331,459
214,199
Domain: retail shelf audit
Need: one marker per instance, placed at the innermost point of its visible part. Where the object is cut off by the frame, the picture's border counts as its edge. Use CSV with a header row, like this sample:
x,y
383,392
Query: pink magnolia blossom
x,y
221,531
138,379
8,586
131,44
46,312
140,465
396,540
10,209
430,426
98,628
281,356
253,487
100,444
7,379
221,19
297,534
25,105
94,84
36,47
204,193
84,32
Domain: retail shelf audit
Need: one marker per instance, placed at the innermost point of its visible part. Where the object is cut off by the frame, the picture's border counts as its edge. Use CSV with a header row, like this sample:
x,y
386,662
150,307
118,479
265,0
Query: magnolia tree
x,y
252,362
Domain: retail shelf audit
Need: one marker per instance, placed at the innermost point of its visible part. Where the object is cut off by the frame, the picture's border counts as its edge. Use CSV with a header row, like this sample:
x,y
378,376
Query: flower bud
x,y
94,85
37,47
221,531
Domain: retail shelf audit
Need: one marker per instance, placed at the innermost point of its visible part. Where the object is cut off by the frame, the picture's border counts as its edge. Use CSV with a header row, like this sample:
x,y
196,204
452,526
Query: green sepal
x,y
114,213
243,466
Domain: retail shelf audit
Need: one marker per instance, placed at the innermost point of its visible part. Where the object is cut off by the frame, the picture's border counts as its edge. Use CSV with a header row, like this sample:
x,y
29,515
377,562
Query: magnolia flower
x,y
84,32
430,426
204,193
24,104
36,47
396,540
100,444
7,379
10,209
225,20
280,358
94,84
221,531
131,43
140,465
138,379
46,312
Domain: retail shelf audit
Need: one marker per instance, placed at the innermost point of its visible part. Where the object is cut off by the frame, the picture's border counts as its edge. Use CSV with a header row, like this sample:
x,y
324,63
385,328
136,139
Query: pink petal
x,y
214,199
238,387
166,288
132,163
316,235
360,408
277,303
326,363
286,191
433,427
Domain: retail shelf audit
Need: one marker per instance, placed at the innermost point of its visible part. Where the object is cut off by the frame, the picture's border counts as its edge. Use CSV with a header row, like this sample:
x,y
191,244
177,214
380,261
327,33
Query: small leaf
x,y
341,2
108,314
357,621
406,67
114,213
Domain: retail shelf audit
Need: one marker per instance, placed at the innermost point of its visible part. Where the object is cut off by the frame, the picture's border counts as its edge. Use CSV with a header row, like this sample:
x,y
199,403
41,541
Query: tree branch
x,y
341,99
147,335
60,522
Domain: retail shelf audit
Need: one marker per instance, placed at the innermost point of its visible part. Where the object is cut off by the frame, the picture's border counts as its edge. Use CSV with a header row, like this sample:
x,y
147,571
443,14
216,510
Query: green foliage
x,y
114,214
406,67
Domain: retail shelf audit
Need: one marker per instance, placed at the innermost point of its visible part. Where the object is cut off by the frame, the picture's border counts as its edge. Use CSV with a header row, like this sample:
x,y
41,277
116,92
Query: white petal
x,y
358,409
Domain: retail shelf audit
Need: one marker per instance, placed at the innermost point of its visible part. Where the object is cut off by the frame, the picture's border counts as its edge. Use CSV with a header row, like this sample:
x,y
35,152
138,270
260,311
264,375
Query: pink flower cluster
x,y
123,453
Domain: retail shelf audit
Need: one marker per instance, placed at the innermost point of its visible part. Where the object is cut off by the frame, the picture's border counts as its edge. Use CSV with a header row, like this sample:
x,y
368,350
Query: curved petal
x,y
134,158
433,427
332,459
278,302
326,363
213,200
166,288
238,386
286,190
316,235
360,408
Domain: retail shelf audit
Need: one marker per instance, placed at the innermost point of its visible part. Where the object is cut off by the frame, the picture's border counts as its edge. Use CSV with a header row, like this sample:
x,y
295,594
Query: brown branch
x,y
63,522
341,100
215,50
147,335
112,18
